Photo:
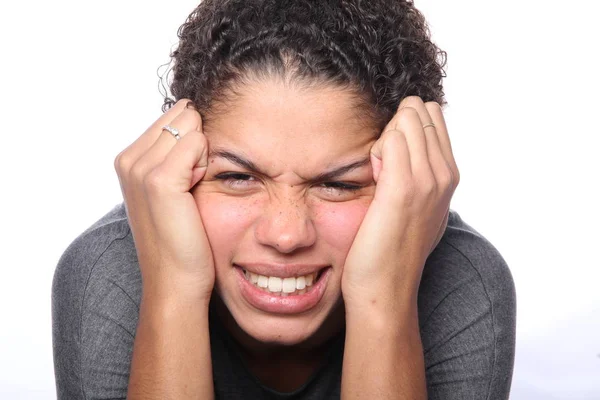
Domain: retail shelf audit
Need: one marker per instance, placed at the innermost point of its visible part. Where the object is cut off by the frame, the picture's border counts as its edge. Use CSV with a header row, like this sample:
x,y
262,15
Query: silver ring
x,y
172,131
428,125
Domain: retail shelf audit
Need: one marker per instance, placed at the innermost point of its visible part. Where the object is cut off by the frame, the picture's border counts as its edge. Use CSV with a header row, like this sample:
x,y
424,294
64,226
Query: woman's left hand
x,y
415,175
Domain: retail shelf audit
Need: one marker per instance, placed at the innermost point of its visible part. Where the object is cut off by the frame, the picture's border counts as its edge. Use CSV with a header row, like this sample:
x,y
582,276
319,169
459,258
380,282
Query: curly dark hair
x,y
378,50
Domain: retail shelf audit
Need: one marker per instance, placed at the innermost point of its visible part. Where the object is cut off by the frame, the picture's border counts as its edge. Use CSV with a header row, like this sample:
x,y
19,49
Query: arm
x,y
171,353
96,306
467,306
415,177
467,312
383,355
95,299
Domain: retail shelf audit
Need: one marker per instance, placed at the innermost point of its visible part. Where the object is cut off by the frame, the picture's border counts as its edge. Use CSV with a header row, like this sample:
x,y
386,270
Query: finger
x,y
438,163
440,167
185,164
168,185
435,111
137,176
407,120
390,159
417,103
188,120
436,157
141,145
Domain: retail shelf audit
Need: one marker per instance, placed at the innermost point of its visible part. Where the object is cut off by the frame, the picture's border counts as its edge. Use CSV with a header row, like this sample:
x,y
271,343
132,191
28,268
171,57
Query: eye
x,y
340,186
235,179
338,191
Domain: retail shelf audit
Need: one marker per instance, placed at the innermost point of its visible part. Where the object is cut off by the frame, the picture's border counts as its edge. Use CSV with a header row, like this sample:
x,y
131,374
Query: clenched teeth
x,y
281,286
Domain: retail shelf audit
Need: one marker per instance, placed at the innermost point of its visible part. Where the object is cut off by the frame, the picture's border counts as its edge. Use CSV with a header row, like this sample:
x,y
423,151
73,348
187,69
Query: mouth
x,y
290,286
277,295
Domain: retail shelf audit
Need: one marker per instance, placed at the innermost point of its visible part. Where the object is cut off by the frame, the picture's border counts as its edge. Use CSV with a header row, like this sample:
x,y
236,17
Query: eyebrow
x,y
325,176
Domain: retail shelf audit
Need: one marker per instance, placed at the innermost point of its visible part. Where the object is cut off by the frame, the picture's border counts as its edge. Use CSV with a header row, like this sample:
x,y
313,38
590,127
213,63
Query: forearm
x,y
171,353
383,356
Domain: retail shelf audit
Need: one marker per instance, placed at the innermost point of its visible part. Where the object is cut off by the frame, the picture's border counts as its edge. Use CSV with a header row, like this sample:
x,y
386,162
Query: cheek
x,y
338,223
225,221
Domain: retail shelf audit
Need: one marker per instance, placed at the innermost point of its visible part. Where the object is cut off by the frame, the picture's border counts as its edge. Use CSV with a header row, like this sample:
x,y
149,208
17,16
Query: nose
x,y
286,225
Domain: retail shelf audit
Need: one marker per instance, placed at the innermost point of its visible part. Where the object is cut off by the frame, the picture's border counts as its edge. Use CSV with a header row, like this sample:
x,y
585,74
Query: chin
x,y
318,323
281,320
279,330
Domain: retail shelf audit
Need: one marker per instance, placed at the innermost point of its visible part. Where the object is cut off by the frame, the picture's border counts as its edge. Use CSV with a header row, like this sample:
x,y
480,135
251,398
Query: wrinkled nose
x,y
286,225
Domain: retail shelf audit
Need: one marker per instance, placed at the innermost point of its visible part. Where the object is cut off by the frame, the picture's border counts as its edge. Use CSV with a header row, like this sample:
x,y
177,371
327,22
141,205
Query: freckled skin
x,y
292,136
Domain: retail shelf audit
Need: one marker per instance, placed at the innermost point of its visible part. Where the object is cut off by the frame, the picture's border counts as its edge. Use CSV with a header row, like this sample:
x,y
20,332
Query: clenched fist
x,y
416,176
156,173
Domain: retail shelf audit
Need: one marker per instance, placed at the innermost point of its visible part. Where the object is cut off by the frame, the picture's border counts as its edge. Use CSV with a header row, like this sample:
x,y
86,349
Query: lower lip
x,y
275,304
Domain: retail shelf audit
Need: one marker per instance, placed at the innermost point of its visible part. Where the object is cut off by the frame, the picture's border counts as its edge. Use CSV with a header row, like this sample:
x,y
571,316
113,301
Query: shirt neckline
x,y
334,345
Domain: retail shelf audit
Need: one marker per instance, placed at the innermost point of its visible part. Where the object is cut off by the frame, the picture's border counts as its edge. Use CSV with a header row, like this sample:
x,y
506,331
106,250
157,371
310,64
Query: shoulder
x,y
101,258
88,246
465,260
96,292
467,315
105,248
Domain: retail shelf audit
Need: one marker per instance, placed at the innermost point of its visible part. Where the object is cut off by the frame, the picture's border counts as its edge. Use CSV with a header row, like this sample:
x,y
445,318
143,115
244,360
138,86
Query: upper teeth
x,y
276,284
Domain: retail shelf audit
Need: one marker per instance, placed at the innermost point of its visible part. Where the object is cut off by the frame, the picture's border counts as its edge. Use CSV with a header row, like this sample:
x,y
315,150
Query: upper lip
x,y
281,270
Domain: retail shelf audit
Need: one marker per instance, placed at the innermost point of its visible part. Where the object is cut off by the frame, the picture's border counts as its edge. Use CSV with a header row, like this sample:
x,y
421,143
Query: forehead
x,y
278,125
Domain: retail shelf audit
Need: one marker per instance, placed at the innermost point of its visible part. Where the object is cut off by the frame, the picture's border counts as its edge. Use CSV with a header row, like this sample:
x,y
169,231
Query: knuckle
x,y
193,116
391,136
137,171
183,101
122,162
118,163
427,187
446,178
456,175
202,142
433,108
409,100
154,181
405,115
191,104
433,105
196,139
408,111
394,139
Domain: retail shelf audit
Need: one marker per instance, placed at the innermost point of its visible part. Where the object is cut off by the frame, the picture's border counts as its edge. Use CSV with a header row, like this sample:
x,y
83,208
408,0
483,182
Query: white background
x,y
79,83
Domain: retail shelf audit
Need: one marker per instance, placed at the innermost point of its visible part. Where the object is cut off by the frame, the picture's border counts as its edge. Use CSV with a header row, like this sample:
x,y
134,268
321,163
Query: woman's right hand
x,y
156,173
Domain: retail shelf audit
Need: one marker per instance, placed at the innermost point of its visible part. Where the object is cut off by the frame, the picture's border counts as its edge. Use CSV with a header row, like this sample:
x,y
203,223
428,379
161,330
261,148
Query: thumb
x,y
201,166
390,160
187,161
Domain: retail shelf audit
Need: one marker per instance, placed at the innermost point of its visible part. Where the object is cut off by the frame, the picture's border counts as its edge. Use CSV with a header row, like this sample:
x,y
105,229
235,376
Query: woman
x,y
285,230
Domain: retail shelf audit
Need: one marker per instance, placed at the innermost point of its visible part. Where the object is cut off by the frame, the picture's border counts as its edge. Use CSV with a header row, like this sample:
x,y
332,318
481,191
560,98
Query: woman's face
x,y
288,184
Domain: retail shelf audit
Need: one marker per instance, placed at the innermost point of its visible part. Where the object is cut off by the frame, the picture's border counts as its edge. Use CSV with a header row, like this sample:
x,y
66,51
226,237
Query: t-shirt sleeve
x,y
95,307
468,305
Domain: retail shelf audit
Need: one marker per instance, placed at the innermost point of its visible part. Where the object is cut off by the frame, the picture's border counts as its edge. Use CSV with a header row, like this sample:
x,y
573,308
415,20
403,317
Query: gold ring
x,y
428,125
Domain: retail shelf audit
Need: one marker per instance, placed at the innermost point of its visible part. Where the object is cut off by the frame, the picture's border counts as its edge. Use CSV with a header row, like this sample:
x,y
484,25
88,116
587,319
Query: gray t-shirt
x,y
467,308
